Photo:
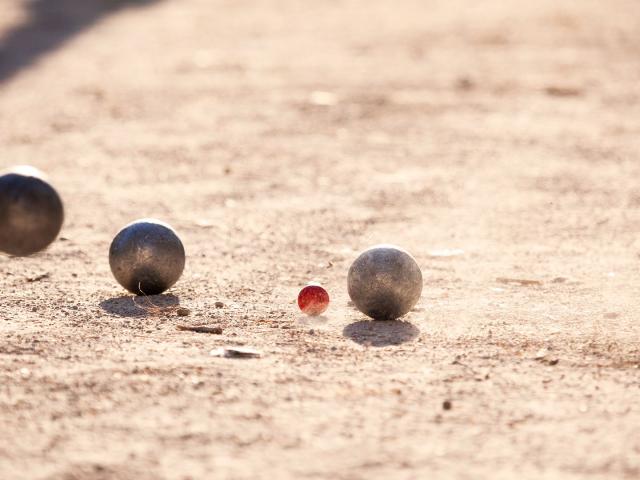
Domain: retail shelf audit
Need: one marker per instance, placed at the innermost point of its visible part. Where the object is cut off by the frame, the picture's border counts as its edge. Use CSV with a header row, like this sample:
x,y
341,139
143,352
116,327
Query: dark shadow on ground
x,y
142,306
381,333
50,24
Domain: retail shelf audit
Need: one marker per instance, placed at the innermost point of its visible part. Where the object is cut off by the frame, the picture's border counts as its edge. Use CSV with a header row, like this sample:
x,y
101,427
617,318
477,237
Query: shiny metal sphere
x,y
147,257
384,282
31,212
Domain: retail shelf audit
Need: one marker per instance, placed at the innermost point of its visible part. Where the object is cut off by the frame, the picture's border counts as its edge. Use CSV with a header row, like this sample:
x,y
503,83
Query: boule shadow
x,y
374,333
142,306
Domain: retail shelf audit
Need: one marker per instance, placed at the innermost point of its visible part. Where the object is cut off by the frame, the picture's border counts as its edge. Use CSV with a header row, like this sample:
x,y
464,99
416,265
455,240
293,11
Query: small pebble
x,y
183,312
235,352
219,305
200,329
446,405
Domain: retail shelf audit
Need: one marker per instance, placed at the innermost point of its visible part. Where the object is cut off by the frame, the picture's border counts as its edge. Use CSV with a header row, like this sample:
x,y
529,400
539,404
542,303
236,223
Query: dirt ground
x,y
495,140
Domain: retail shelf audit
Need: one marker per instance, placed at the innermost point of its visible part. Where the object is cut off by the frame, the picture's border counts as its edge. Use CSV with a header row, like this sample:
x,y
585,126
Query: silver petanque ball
x,y
384,282
147,257
31,212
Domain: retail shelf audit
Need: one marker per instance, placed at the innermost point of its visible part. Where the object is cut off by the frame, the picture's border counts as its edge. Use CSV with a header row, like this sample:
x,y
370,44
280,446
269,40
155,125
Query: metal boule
x,y
147,257
384,282
31,212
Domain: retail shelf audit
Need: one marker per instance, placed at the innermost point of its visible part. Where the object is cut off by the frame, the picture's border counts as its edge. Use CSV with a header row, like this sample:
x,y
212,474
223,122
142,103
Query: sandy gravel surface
x,y
280,138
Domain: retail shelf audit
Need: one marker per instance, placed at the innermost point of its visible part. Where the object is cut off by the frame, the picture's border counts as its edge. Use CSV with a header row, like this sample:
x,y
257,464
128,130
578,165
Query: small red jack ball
x,y
313,299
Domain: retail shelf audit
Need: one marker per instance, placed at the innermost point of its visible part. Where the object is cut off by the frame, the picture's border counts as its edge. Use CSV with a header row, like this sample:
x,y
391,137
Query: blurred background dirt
x,y
497,141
